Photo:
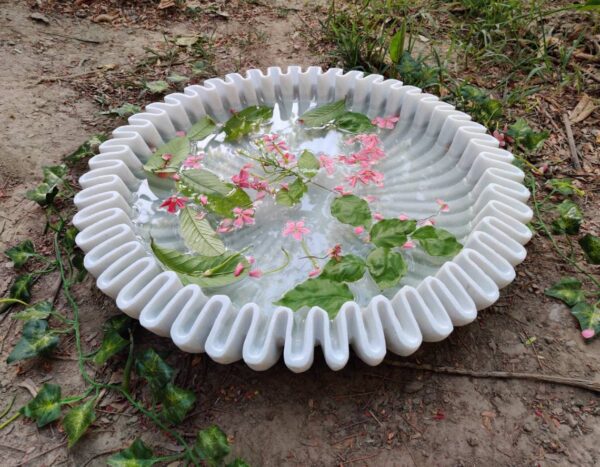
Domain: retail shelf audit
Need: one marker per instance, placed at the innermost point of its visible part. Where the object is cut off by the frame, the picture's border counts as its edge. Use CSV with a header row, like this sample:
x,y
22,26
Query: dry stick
x,y
574,382
80,39
574,156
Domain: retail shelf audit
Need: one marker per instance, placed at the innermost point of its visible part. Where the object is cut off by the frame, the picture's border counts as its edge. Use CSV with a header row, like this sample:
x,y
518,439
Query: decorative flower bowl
x,y
301,208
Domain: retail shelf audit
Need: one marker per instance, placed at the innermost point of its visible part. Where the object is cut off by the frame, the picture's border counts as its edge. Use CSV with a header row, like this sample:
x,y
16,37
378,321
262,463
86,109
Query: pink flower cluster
x,y
369,154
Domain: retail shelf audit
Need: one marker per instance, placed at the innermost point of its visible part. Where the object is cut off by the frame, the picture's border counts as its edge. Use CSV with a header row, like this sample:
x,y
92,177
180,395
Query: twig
x,y
89,41
572,147
553,379
27,460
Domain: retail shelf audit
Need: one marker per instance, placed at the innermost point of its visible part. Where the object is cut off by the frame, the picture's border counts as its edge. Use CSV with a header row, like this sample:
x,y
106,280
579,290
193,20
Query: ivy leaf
x,y
324,293
386,267
246,121
19,254
570,218
40,310
120,324
112,344
136,455
392,232
124,111
205,271
568,289
176,402
177,78
21,288
591,247
43,194
238,463
324,114
77,421
153,369
437,242
565,187
54,175
348,268
588,317
522,134
156,87
293,194
212,445
350,209
35,340
87,149
45,406
199,236
354,122
308,164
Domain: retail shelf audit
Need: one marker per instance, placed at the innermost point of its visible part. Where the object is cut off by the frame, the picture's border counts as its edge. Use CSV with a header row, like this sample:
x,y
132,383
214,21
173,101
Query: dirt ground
x,y
361,415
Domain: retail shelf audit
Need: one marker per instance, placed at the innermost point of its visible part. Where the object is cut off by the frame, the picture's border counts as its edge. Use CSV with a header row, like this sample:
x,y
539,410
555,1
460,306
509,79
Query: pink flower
x,y
426,222
166,157
243,217
238,269
370,198
366,176
192,162
335,252
180,133
243,178
368,140
272,145
256,273
387,123
378,216
203,200
403,217
260,195
250,259
588,333
176,177
314,272
287,158
500,137
173,203
358,230
295,229
341,190
443,205
200,215
408,245
285,186
225,226
259,185
327,163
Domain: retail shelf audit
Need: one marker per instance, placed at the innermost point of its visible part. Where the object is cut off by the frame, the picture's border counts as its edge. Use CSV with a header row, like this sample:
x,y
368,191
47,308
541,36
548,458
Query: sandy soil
x,y
358,416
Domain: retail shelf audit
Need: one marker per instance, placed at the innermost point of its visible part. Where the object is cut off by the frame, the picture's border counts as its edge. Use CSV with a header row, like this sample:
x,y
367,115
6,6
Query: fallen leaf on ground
x,y
583,109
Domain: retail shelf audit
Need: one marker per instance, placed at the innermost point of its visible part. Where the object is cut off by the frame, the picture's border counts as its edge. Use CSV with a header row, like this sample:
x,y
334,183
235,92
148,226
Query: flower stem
x,y
309,255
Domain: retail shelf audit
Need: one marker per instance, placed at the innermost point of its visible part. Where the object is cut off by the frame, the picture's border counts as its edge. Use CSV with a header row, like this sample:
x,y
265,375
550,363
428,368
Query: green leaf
x,y
293,194
45,406
120,324
437,242
350,209
136,455
324,114
354,122
177,78
178,148
112,344
392,232
308,165
124,111
570,218
19,254
199,236
150,366
43,194
238,463
348,268
200,181
213,445
35,340
397,44
588,317
201,129
568,289
176,402
590,244
386,267
205,271
77,421
246,121
157,87
224,205
21,288
40,310
199,67
565,187
54,175
522,134
87,149
589,5
324,293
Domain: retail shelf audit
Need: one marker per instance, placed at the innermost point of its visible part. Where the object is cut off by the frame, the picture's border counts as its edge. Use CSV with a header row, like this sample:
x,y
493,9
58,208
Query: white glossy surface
x,y
448,157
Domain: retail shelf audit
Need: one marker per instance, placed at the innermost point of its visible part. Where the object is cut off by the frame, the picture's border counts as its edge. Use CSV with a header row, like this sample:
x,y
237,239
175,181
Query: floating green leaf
x,y
36,340
40,310
176,402
199,236
112,344
150,366
568,289
324,293
45,406
212,445
386,267
354,122
201,129
588,317
348,268
437,242
156,87
565,187
78,420
590,244
350,209
308,165
324,114
570,218
19,254
246,121
293,194
136,455
392,232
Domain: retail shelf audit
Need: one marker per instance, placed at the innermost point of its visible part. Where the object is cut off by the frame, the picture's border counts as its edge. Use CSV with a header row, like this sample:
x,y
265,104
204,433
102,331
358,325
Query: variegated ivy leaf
x,y
323,114
386,267
112,344
199,236
45,192
392,232
349,268
436,242
308,165
136,455
246,121
324,293
157,86
45,406
522,134
292,194
568,289
590,244
19,290
78,420
569,219
176,402
19,254
87,149
212,445
36,340
565,187
588,317
350,209
150,366
38,311
120,323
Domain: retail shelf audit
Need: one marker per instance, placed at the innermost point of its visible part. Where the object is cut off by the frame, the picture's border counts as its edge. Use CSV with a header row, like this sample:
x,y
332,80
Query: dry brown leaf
x,y
164,4
30,386
583,109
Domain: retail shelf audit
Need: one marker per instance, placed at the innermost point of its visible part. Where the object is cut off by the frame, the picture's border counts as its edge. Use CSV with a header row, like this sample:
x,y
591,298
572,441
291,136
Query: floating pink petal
x,y
180,133
409,245
243,217
314,272
327,163
387,123
192,162
256,273
203,200
176,177
403,217
295,229
378,216
174,203
166,157
443,205
358,230
238,269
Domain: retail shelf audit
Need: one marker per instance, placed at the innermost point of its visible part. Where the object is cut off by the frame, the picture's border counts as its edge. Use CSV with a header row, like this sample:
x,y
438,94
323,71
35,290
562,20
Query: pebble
x,y
571,344
528,427
473,442
571,420
413,386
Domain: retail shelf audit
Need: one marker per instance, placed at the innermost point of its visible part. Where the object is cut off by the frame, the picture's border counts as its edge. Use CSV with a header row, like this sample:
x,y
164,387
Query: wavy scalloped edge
x,y
126,271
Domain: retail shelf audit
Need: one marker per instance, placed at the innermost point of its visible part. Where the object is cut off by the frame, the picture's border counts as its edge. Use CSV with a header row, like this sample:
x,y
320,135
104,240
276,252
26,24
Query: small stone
x,y
571,344
528,427
473,442
413,386
571,420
